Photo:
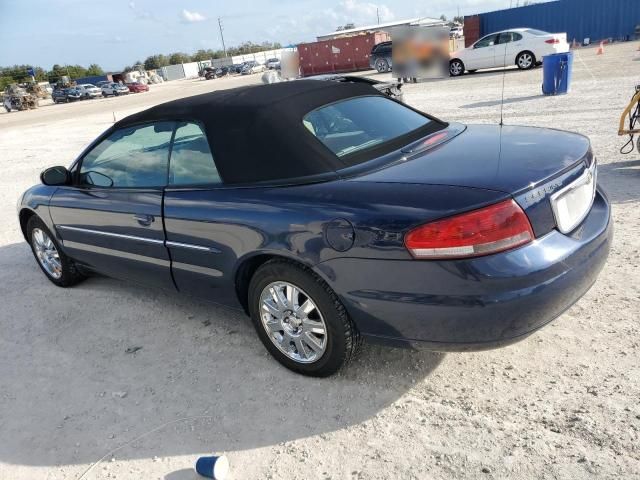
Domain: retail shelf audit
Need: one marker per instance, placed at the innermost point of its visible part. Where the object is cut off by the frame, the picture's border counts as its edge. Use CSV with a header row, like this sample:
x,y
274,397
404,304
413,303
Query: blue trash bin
x,y
556,73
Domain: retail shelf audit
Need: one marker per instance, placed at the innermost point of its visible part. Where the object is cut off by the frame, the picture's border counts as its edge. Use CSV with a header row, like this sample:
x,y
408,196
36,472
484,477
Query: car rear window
x,y
361,123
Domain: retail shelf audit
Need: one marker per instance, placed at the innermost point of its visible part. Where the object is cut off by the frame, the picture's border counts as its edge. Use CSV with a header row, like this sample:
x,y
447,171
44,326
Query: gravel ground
x,y
565,403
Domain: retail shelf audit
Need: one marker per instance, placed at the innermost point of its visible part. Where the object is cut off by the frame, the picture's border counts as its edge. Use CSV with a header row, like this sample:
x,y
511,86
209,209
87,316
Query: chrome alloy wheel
x,y
525,60
47,253
455,69
293,322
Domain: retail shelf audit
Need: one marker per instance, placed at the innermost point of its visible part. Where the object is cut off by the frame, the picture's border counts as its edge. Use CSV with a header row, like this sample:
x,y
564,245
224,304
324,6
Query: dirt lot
x,y
565,403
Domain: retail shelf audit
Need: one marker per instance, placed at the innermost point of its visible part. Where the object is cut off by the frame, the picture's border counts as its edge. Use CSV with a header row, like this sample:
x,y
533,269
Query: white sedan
x,y
523,47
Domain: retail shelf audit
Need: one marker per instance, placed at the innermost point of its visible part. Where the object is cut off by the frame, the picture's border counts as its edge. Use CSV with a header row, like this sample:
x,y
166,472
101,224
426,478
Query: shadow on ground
x,y
621,179
493,103
201,382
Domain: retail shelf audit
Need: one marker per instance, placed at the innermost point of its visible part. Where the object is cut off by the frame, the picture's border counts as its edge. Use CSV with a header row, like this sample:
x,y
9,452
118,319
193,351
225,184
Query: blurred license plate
x,y
572,204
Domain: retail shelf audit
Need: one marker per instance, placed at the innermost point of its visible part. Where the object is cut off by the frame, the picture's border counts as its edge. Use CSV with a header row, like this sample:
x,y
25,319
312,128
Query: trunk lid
x,y
506,159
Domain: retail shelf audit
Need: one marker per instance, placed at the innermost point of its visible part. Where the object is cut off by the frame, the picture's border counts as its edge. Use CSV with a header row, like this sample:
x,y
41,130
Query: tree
x,y
459,19
94,69
202,55
156,61
179,57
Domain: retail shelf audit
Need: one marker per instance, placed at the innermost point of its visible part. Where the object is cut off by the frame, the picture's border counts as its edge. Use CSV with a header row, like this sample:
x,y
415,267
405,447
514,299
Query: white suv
x,y
114,89
87,90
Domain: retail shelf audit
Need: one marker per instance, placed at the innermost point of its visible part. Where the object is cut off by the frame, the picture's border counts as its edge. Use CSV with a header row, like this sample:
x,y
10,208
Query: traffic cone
x,y
600,50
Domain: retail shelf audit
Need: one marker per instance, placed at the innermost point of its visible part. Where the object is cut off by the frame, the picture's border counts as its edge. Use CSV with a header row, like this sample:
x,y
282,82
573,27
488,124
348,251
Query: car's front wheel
x,y
525,60
300,320
456,68
57,267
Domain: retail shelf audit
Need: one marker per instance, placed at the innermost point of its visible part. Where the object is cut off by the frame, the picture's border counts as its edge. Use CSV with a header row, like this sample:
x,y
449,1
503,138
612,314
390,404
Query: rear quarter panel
x,y
295,222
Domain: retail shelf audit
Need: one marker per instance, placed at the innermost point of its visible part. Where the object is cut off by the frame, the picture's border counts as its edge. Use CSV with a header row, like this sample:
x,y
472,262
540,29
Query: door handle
x,y
144,220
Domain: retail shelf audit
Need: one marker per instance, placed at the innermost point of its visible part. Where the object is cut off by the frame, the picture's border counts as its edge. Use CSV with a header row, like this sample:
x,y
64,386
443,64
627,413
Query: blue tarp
x,y
594,19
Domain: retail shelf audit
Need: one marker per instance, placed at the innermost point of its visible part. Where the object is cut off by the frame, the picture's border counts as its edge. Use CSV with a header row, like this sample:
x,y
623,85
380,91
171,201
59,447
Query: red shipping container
x,y
347,54
471,30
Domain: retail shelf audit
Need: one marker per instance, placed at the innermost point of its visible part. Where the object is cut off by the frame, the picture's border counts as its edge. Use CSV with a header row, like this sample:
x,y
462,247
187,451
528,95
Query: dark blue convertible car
x,y
331,213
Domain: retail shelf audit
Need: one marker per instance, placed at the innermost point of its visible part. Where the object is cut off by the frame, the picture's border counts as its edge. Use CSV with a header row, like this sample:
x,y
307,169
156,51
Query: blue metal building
x,y
594,19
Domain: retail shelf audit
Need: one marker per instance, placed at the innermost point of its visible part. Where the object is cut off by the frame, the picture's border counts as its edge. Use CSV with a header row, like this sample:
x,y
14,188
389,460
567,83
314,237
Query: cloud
x,y
192,17
132,5
308,25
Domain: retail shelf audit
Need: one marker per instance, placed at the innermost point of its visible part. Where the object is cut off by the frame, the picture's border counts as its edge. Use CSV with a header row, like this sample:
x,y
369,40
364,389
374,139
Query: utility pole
x,y
378,14
222,36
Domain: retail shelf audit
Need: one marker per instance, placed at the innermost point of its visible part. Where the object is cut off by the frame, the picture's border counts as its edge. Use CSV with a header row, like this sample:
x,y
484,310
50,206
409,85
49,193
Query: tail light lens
x,y
492,229
552,41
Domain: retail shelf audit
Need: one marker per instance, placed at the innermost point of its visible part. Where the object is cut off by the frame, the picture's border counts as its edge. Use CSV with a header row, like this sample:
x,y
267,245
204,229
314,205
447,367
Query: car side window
x,y
515,37
133,157
506,37
487,41
191,160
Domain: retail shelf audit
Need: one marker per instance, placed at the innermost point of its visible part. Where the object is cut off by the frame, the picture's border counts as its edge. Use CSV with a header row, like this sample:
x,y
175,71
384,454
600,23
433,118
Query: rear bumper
x,y
478,303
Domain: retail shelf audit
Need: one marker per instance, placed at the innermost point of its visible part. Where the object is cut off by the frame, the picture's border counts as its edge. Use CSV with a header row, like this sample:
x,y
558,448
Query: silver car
x,y
114,89
88,90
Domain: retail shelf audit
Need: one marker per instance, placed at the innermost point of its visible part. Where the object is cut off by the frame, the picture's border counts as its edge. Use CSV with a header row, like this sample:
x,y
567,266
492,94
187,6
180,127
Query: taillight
x,y
492,229
552,41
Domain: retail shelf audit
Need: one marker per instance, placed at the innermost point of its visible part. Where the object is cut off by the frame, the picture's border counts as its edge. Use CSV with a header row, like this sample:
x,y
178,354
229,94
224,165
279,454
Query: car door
x,y
110,218
200,237
482,54
509,44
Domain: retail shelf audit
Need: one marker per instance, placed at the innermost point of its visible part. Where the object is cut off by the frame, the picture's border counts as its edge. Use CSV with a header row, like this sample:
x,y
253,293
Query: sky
x,y
117,33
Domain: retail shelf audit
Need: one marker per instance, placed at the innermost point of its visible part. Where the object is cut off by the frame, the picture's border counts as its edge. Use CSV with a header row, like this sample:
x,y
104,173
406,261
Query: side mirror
x,y
55,176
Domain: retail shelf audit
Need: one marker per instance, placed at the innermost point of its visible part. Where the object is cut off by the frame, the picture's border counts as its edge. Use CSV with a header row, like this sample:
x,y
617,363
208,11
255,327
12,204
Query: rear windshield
x,y
357,124
538,33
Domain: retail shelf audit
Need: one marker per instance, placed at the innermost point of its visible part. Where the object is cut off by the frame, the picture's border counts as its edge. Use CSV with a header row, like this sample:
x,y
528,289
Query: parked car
x,y
380,57
88,90
523,47
456,31
101,83
66,95
273,64
358,217
236,68
252,67
209,73
137,87
114,89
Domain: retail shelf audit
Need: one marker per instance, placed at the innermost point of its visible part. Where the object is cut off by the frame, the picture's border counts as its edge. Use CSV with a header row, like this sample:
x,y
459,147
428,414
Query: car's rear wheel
x,y
382,66
57,267
300,320
456,68
525,60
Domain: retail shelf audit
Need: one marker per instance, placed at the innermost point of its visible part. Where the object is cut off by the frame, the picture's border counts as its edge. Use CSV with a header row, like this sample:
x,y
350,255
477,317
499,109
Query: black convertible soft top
x,y
256,133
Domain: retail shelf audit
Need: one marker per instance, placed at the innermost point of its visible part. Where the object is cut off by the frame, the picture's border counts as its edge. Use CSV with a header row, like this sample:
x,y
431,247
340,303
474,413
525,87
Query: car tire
x,y
456,68
382,66
104,95
56,266
115,93
326,325
525,60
